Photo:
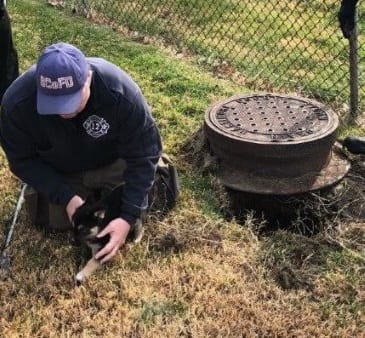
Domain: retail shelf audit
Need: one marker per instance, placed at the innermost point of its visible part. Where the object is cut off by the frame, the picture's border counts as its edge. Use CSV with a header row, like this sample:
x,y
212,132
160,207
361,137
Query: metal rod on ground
x,y
354,76
4,259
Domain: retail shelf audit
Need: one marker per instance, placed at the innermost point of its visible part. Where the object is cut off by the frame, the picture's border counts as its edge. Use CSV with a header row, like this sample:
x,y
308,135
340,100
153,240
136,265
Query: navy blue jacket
x,y
116,123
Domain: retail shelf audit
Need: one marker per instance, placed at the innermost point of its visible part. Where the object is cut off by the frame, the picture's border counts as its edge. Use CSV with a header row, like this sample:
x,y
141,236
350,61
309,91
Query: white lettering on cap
x,y
65,81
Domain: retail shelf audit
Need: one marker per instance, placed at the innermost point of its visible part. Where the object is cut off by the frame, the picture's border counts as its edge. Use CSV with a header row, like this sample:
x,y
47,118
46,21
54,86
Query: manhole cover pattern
x,y
272,118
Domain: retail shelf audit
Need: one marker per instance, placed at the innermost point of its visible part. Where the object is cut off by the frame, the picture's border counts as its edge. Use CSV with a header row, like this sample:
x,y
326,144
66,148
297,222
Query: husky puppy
x,y
89,219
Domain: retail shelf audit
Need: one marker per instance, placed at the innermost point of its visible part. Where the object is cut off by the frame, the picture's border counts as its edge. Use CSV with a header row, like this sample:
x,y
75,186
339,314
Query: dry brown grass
x,y
193,275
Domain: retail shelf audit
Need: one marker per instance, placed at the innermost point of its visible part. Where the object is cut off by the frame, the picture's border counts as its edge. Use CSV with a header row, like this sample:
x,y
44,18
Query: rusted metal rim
x,y
271,119
277,144
256,182
280,134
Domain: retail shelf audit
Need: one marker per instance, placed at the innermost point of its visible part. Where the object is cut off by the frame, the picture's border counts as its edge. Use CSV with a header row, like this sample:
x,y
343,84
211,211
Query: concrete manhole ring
x,y
265,138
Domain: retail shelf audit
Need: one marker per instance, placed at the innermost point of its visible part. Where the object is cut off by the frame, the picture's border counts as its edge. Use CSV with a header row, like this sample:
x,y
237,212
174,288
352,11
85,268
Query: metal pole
x,y
15,217
354,74
4,258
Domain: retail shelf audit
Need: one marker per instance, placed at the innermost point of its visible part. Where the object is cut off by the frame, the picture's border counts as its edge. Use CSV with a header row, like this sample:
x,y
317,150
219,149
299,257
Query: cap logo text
x,y
61,82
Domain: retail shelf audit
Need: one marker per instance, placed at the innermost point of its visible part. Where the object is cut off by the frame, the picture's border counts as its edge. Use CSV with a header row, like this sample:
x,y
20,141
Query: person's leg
x,y
57,217
106,178
103,179
50,216
31,204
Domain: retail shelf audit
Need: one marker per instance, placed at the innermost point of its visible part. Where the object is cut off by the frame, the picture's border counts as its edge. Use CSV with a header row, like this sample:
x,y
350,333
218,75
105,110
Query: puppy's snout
x,y
86,232
81,233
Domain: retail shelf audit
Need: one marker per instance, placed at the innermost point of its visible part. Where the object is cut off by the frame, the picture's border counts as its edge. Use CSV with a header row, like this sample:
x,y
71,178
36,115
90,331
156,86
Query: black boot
x,y
354,144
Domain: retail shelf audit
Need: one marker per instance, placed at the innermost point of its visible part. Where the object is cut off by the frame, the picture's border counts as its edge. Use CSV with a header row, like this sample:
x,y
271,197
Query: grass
x,y
294,45
195,273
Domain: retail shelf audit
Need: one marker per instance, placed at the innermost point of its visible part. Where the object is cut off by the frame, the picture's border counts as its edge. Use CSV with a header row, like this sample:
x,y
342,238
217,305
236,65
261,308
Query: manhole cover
x,y
269,137
269,118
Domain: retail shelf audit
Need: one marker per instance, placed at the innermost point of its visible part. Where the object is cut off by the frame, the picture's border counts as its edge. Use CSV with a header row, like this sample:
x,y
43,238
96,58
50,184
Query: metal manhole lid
x,y
267,118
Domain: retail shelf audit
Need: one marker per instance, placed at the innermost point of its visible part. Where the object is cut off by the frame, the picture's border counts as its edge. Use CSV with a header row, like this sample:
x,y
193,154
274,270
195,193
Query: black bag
x,y
9,68
166,187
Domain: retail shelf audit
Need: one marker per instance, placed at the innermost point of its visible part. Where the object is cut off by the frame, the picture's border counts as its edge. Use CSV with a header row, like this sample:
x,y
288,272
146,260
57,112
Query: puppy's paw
x,y
80,278
91,266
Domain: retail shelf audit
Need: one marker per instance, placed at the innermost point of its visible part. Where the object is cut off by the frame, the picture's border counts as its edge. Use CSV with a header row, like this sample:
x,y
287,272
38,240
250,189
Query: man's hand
x,y
118,230
72,205
346,16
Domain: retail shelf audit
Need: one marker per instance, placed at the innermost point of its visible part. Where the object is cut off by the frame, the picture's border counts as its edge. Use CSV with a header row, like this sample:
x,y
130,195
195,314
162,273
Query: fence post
x,y
354,74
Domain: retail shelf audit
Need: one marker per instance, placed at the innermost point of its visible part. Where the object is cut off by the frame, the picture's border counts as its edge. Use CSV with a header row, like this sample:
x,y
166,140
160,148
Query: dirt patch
x,y
303,259
290,279
168,243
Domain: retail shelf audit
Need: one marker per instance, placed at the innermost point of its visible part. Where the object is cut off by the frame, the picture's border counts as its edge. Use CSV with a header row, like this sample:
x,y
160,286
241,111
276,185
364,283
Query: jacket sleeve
x,y
140,146
26,164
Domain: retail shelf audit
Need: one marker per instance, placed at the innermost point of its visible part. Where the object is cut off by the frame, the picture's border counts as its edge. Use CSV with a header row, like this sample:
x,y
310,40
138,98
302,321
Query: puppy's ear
x,y
86,211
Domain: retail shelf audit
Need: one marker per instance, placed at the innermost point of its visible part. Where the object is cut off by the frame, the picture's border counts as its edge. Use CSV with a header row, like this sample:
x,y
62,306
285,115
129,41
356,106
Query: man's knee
x,y
31,203
58,219
43,214
107,177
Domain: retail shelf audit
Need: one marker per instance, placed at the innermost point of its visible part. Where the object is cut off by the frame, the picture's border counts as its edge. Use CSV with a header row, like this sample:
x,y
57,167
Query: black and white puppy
x,y
91,218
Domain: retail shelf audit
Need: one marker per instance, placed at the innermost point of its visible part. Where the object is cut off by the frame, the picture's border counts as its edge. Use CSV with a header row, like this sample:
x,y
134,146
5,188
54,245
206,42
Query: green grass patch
x,y
292,45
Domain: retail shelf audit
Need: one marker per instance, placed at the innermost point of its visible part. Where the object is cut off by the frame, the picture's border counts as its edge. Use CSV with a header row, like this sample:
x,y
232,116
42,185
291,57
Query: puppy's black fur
x,y
91,218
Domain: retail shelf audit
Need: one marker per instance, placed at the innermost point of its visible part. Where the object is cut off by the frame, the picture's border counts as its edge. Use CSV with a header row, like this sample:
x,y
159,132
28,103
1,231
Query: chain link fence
x,y
269,45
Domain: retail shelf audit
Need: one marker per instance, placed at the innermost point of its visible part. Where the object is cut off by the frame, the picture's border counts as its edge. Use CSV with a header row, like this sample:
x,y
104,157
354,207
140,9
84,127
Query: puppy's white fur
x,y
91,266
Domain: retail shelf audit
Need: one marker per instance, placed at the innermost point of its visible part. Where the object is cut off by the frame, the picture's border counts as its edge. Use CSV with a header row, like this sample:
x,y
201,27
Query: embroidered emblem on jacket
x,y
96,126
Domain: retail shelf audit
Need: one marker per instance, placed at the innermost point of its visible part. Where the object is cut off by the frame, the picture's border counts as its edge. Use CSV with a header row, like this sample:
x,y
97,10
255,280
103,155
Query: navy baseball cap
x,y
61,74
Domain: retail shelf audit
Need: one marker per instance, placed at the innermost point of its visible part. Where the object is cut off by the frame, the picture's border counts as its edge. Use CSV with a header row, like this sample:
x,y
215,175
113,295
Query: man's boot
x,y
354,144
